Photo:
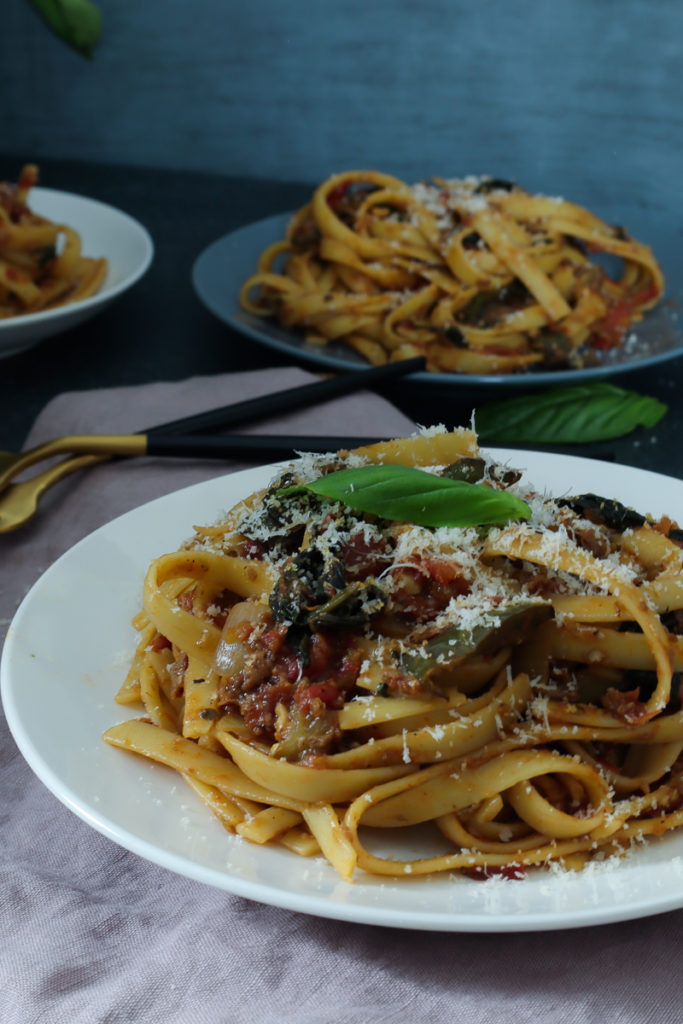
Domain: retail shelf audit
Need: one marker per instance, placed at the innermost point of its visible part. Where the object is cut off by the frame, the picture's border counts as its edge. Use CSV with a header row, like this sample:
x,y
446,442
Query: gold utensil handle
x,y
19,502
75,444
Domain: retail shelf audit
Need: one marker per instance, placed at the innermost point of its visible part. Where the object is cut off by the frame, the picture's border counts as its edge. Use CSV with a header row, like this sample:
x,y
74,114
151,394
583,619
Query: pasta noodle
x,y
41,263
476,275
509,690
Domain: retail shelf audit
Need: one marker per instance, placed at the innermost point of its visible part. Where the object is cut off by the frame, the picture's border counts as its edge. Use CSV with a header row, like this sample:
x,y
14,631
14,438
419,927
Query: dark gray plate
x,y
220,271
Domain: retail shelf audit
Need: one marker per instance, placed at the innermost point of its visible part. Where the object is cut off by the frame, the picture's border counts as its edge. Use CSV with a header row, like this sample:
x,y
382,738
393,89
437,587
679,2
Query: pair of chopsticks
x,y
188,437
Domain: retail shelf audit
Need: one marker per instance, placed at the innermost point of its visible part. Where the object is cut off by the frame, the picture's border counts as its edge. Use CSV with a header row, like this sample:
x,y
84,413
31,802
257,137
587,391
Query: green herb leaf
x,y
409,495
77,22
598,411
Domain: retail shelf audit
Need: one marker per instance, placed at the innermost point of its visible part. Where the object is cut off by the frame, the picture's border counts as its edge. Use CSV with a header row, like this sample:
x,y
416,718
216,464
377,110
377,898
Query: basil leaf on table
x,y
77,22
598,411
411,495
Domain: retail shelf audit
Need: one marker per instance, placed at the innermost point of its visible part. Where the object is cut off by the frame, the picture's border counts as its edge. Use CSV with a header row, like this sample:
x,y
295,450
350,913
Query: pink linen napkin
x,y
91,933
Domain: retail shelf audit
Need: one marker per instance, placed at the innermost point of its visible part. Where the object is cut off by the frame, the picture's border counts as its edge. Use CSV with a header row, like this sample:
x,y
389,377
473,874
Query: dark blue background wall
x,y
581,98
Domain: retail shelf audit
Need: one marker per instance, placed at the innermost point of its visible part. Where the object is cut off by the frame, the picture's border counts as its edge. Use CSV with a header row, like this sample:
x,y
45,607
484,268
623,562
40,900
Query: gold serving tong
x,y
184,438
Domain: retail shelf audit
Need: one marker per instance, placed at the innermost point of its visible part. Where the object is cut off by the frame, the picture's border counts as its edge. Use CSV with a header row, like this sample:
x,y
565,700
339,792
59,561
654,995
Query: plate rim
x,y
319,906
496,381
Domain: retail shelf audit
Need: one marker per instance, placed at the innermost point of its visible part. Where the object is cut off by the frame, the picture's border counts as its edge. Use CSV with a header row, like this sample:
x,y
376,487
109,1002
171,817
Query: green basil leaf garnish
x,y
77,22
597,411
408,495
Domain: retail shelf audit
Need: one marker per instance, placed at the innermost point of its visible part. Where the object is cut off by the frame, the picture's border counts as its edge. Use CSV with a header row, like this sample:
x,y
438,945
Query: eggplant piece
x,y
455,336
45,256
504,627
606,511
450,333
306,235
488,308
298,733
555,348
494,185
472,470
673,621
349,199
471,313
472,240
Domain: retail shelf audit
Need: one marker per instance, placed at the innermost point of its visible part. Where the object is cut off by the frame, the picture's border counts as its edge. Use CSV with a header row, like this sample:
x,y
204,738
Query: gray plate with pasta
x,y
221,269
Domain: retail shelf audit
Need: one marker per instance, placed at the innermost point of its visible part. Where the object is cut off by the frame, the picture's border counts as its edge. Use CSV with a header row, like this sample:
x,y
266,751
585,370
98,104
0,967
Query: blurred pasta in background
x,y
41,263
476,274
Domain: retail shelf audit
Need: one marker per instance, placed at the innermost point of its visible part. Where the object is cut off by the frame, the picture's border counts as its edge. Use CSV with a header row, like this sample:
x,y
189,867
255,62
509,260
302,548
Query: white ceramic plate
x,y
105,231
68,650
221,270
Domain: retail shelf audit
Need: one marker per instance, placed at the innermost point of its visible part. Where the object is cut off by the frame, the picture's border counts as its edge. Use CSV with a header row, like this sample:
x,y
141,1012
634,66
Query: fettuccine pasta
x,y
510,686
476,275
41,263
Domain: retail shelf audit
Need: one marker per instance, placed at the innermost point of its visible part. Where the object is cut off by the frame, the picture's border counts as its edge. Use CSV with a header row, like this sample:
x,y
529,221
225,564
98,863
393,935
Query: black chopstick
x,y
247,446
287,400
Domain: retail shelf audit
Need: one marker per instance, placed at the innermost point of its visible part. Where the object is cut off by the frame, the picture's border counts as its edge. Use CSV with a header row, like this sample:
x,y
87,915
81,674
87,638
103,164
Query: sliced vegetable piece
x,y
501,627
608,511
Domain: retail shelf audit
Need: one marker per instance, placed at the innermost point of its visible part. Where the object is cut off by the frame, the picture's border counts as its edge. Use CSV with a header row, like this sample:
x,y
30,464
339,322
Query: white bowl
x,y
105,232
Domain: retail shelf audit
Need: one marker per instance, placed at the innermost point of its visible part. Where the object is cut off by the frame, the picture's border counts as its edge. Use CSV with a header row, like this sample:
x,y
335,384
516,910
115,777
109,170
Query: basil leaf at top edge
x,y
77,22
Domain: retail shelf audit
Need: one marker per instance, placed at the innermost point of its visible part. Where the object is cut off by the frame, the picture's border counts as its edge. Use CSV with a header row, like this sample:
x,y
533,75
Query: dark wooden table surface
x,y
159,330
